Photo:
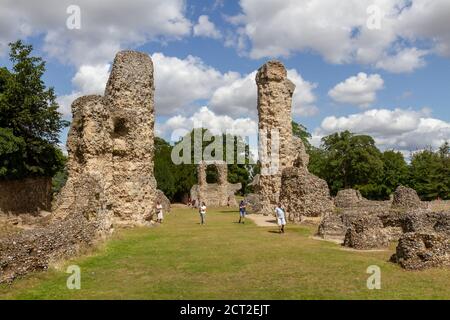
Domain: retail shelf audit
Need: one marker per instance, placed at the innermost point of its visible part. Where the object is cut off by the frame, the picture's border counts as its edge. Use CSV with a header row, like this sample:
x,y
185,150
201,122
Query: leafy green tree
x,y
177,180
430,173
350,161
29,113
300,131
395,172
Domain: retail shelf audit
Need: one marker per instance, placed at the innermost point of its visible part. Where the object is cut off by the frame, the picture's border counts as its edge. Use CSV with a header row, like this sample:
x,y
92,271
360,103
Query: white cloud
x,y
180,82
358,90
339,32
106,26
89,79
407,60
239,97
206,118
400,129
205,28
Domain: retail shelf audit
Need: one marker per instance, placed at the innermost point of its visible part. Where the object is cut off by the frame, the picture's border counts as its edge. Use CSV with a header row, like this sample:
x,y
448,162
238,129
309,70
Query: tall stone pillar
x,y
276,147
202,184
129,96
110,147
222,183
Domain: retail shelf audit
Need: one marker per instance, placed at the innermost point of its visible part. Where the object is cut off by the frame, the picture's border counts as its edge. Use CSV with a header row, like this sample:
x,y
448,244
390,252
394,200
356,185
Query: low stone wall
x,y
26,196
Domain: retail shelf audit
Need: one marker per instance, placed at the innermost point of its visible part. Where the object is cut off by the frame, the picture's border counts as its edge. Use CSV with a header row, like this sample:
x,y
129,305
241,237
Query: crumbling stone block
x,y
418,250
304,194
366,233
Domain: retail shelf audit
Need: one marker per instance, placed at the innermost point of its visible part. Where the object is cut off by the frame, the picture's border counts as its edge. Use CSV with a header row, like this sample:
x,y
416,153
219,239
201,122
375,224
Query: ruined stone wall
x,y
111,138
26,196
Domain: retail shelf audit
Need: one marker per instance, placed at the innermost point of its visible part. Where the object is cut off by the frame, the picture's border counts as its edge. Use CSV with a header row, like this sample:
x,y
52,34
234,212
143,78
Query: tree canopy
x,y
29,119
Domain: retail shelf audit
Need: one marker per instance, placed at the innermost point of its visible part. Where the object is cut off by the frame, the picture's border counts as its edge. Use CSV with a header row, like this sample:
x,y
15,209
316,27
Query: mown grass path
x,y
226,260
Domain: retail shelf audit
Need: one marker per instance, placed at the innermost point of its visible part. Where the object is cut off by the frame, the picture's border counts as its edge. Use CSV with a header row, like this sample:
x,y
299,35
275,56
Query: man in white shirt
x,y
202,211
281,217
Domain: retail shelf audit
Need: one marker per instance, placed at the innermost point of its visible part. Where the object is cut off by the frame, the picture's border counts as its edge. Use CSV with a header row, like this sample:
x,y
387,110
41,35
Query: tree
x,y
177,180
430,173
300,131
29,113
350,161
395,172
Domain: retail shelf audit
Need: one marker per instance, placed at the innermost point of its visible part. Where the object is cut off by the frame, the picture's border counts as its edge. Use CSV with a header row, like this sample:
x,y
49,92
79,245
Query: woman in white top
x,y
202,210
159,211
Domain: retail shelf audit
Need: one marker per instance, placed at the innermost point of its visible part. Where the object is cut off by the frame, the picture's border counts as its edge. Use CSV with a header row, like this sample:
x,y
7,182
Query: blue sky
x,y
390,81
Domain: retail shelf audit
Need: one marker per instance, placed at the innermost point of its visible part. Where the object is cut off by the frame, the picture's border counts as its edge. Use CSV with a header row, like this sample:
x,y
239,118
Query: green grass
x,y
226,260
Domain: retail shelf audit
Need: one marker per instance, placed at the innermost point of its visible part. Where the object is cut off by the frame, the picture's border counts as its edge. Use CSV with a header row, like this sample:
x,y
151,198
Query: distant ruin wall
x,y
26,196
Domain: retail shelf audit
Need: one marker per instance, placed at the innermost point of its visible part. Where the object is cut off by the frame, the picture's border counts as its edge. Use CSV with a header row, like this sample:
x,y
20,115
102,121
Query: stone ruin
x,y
284,176
218,194
110,167
111,141
423,236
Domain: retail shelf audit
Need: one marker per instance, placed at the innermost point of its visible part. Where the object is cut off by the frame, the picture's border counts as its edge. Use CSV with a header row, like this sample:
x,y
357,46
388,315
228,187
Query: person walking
x,y
202,210
281,217
242,212
159,211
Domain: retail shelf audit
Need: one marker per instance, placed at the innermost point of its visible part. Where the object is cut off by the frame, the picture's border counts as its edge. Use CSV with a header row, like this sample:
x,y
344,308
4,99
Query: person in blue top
x,y
242,212
281,217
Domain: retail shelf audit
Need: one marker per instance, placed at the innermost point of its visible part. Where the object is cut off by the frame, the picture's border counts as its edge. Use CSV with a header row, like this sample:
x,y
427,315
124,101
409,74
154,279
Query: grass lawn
x,y
225,260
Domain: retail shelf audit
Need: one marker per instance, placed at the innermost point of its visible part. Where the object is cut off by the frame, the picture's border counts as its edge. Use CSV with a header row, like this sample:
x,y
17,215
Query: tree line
x,y
346,160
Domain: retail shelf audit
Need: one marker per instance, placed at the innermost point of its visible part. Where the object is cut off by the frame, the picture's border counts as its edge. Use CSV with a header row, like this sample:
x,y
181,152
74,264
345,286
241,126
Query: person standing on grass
x,y
281,217
159,211
242,212
202,210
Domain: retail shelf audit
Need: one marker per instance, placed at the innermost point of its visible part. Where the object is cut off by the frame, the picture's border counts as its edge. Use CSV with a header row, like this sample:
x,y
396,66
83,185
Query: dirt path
x,y
262,221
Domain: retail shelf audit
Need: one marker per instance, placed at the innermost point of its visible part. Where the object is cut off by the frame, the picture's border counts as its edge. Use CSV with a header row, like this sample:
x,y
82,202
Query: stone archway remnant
x,y
218,194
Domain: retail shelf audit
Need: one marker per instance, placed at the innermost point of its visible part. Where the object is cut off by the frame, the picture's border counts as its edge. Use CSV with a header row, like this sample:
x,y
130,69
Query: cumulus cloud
x,y
205,28
180,82
358,90
240,96
401,129
177,126
106,26
339,32
89,79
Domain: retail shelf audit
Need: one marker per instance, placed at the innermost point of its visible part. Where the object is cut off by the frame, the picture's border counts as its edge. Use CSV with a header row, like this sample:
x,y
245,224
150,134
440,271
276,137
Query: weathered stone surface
x,y
218,194
365,233
26,196
407,198
275,92
165,202
335,225
253,203
304,194
418,250
348,198
34,250
111,138
284,175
